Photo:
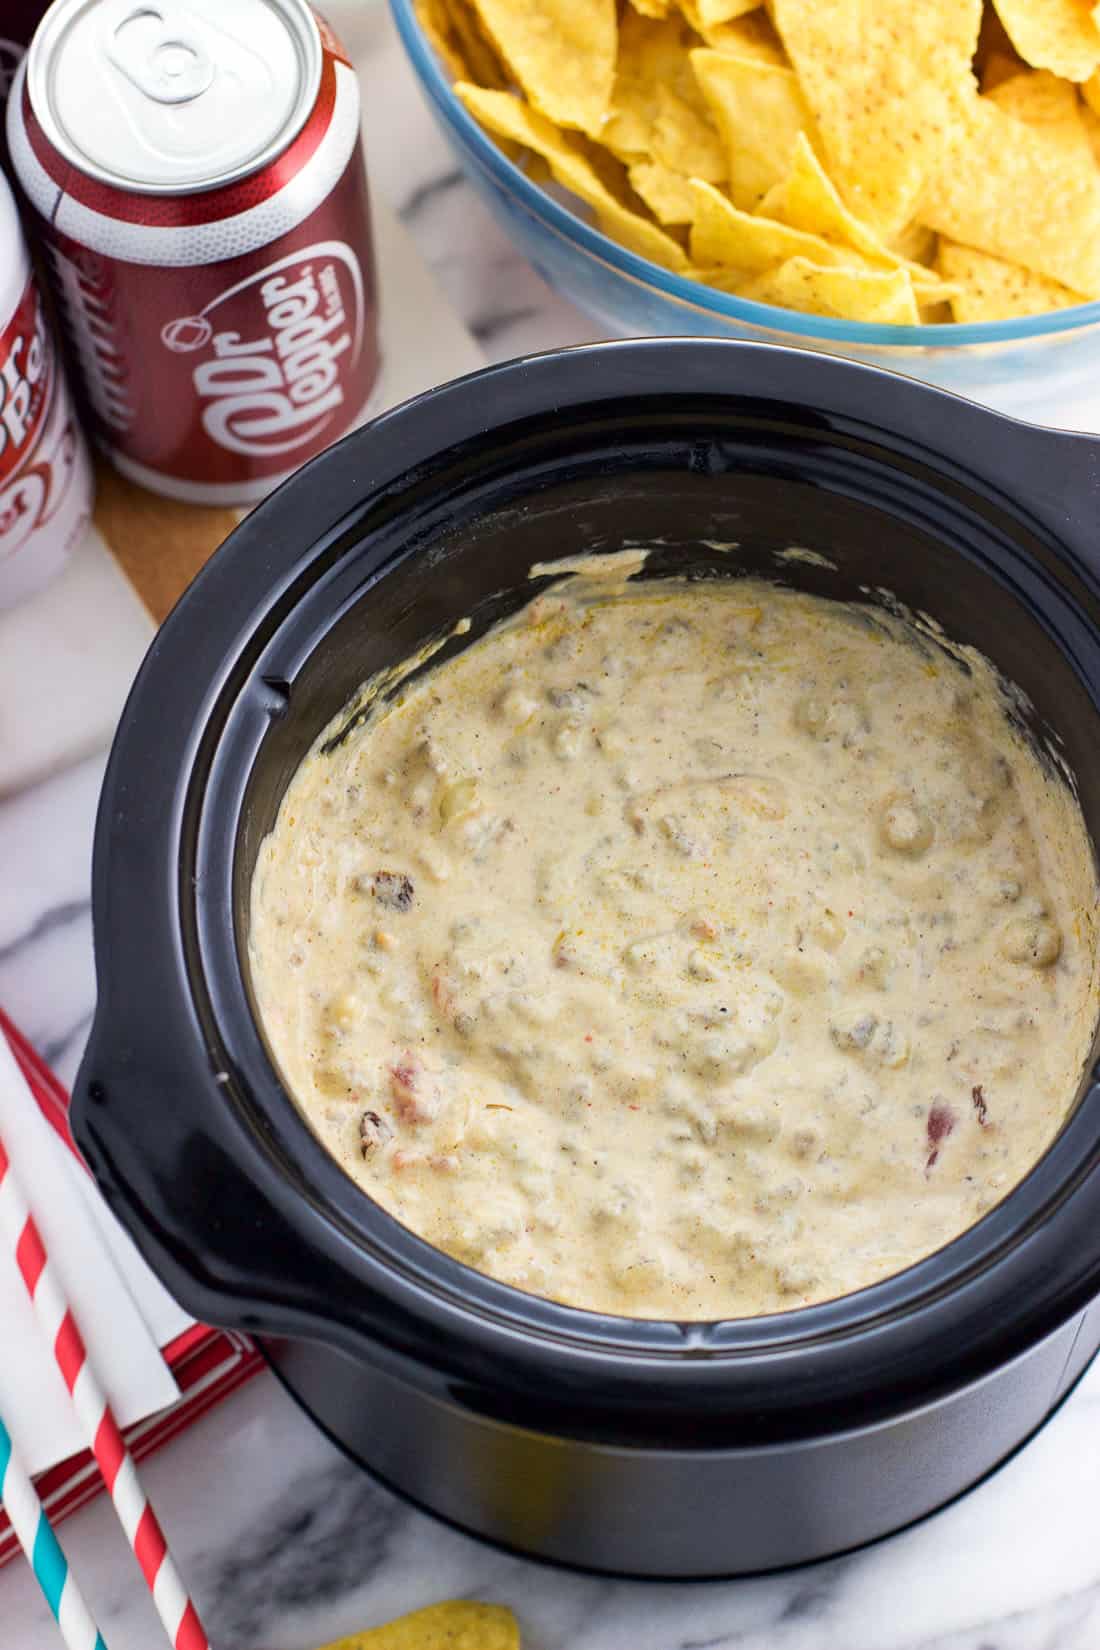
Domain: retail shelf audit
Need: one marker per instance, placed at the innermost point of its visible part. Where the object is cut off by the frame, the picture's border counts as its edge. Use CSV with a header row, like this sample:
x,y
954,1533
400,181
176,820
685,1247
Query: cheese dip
x,y
681,950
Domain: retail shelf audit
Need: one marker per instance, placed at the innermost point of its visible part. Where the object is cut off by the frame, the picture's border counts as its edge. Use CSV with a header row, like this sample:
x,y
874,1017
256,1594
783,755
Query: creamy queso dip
x,y
682,950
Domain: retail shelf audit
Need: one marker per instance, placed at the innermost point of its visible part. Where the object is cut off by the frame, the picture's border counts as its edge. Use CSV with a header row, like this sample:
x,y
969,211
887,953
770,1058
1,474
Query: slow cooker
x,y
653,1448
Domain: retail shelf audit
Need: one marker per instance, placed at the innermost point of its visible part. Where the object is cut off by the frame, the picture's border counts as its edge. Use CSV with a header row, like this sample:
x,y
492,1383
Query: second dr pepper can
x,y
198,177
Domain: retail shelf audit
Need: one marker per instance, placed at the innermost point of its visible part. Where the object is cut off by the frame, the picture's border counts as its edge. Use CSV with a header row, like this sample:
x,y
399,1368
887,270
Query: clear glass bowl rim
x,y
724,306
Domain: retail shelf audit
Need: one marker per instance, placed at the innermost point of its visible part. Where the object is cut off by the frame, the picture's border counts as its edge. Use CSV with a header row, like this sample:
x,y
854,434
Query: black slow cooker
x,y
654,1448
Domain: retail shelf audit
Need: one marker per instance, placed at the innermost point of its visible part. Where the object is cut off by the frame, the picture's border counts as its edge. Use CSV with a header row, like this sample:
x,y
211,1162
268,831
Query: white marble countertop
x,y
288,1545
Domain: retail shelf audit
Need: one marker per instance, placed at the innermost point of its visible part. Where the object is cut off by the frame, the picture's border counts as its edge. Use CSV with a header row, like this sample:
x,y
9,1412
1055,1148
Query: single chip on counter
x,y
989,289
1060,35
509,118
562,52
885,83
759,111
462,1625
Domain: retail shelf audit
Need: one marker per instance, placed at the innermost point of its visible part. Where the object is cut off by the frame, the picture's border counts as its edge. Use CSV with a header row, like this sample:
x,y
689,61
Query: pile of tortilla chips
x,y
911,161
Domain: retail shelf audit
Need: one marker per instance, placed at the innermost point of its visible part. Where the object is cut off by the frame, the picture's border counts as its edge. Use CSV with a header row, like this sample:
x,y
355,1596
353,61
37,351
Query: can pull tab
x,y
159,50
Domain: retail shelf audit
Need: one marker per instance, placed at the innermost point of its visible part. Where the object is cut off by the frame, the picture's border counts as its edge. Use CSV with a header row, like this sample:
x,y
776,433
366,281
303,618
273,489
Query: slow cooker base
x,y
679,1514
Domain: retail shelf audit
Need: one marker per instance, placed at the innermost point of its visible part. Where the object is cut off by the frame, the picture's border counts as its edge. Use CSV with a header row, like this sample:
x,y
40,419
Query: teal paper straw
x,y
50,1566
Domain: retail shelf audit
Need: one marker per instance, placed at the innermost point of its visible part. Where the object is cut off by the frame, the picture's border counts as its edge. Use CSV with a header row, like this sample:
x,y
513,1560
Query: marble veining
x,y
286,1544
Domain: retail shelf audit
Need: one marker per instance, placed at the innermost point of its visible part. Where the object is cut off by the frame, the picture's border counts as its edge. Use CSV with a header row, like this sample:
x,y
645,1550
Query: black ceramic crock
x,y
651,1448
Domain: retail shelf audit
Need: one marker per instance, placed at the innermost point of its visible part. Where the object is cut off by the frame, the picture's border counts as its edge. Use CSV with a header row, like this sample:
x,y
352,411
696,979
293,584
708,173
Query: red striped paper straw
x,y
176,1611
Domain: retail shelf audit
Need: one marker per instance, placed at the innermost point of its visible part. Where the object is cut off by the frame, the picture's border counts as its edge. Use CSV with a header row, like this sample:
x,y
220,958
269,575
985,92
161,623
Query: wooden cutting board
x,y
159,543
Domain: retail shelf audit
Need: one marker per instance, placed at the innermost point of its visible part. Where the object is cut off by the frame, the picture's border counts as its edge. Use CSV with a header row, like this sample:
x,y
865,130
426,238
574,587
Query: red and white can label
x,y
45,481
226,376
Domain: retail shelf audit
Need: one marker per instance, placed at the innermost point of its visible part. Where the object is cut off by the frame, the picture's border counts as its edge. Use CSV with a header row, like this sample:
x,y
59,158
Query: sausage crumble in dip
x,y
682,950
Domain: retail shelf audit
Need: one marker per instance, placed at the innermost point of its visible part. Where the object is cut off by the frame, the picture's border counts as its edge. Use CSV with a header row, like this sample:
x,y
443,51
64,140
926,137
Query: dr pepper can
x,y
45,474
197,175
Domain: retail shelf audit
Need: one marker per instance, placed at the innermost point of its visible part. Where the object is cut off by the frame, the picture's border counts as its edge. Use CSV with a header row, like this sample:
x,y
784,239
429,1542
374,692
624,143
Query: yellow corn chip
x,y
995,58
714,12
562,52
458,1626
915,244
1091,122
652,8
506,116
748,36
1041,99
1060,35
998,67
721,234
667,193
1011,189
433,20
885,82
930,291
651,55
482,62
759,111
989,289
807,199
884,296
685,140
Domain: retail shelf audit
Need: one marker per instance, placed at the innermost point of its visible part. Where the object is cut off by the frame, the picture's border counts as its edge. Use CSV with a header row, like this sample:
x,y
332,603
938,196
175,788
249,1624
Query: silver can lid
x,y
168,97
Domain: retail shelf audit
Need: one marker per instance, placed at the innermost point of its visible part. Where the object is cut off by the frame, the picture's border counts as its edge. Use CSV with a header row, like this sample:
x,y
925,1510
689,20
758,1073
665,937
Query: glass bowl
x,y
1045,367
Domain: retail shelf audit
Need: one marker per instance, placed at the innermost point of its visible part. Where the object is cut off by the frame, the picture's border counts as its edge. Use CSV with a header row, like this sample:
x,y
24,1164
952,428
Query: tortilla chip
x,y
458,1626
434,21
1091,123
507,117
685,140
668,194
995,58
931,291
915,244
1041,99
748,36
722,235
1060,35
883,296
885,83
1000,66
712,13
759,111
652,8
562,52
476,49
651,55
992,290
1011,189
808,200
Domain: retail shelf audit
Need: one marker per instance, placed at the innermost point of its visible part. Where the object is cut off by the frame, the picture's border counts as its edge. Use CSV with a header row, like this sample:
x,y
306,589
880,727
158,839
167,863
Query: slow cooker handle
x,y
1056,473
187,1167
